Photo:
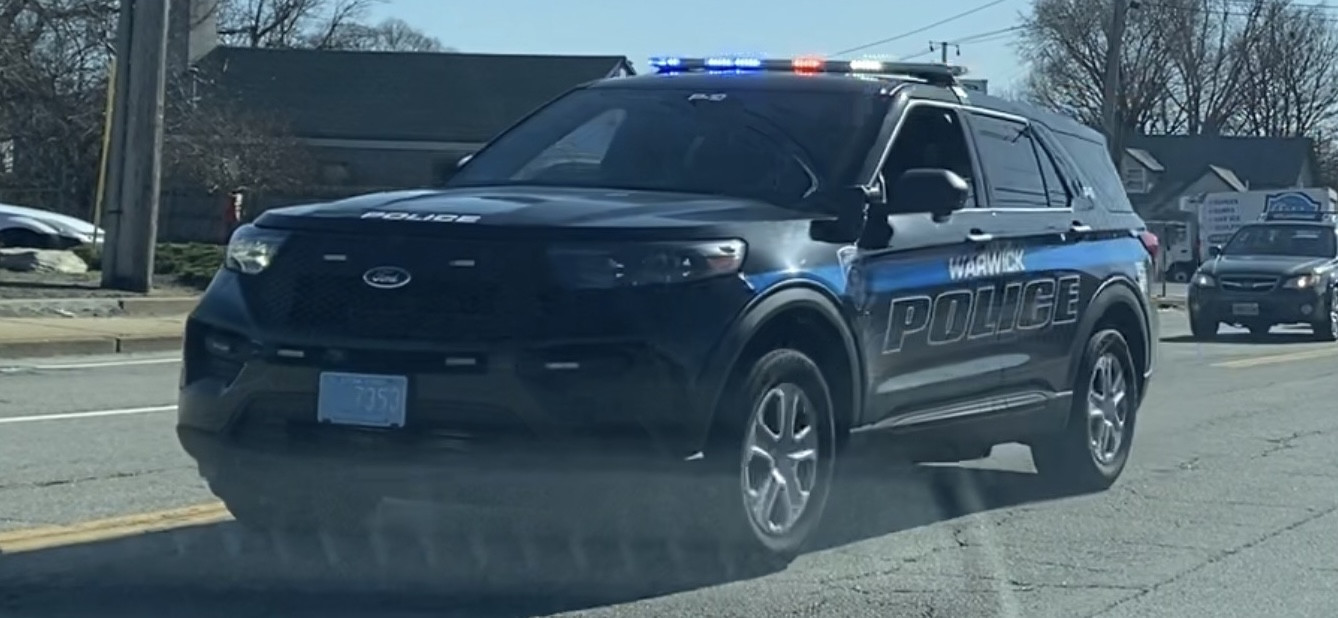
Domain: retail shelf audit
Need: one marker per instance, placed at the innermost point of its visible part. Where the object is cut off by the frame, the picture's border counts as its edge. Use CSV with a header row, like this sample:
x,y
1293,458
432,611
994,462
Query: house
x,y
395,119
1158,170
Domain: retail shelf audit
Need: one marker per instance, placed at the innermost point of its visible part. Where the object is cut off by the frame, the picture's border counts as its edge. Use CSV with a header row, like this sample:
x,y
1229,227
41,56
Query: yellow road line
x,y
48,537
1255,361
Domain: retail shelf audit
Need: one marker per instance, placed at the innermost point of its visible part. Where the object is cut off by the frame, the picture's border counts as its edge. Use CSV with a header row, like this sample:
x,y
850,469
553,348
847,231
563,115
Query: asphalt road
x,y
1227,509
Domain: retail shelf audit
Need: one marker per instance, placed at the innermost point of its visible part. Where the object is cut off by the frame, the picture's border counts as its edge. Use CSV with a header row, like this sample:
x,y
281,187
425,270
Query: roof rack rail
x,y
933,73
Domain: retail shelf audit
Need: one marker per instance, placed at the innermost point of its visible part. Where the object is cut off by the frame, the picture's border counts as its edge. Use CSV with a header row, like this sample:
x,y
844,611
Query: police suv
x,y
722,271
1279,270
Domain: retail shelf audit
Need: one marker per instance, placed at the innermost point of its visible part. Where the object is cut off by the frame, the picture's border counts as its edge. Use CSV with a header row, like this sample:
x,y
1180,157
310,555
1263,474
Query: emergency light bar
x,y
938,74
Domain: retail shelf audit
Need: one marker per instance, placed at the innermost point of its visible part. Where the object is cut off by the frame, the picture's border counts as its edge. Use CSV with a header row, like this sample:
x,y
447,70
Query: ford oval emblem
x,y
387,277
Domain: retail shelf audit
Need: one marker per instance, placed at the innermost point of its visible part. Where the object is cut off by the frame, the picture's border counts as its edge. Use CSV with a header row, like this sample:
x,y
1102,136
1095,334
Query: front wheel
x,y
775,456
1326,328
1092,450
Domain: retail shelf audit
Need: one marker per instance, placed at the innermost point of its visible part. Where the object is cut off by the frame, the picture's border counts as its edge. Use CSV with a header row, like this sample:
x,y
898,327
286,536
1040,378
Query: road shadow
x,y
490,566
1299,334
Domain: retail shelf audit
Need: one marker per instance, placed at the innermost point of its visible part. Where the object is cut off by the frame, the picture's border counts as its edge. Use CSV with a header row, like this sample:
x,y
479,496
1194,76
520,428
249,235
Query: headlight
x,y
1302,282
251,249
1202,280
584,266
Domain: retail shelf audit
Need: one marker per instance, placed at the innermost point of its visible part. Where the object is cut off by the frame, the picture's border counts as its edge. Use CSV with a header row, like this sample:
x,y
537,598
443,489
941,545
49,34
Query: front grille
x,y
1249,283
459,291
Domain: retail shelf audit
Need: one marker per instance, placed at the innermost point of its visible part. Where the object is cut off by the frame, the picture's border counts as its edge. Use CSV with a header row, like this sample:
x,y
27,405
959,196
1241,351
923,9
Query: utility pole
x,y
134,170
943,49
1119,18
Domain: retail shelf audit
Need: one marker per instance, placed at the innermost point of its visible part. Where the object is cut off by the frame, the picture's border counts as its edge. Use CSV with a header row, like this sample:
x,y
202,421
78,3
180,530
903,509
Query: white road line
x,y
97,364
69,416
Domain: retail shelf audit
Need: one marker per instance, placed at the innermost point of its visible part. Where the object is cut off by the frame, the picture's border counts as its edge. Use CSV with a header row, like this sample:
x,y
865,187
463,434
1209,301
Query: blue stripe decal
x,y
925,272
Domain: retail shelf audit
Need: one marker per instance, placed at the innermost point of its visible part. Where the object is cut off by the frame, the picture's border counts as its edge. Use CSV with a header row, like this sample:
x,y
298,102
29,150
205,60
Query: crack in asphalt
x,y
88,479
1289,441
1216,558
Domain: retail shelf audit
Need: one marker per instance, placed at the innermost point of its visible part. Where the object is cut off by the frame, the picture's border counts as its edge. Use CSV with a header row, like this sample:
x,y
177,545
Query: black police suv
x,y
720,272
1281,270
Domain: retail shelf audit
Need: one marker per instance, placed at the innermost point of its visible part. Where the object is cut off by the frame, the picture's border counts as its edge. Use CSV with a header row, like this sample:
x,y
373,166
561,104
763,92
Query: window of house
x,y
1135,178
1012,163
929,137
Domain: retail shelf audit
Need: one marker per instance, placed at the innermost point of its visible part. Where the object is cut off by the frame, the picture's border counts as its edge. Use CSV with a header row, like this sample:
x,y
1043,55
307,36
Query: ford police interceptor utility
x,y
1279,270
721,271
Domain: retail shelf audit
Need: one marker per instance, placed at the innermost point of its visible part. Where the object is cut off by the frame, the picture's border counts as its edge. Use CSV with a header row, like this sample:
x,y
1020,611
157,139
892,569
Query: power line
x,y
979,37
919,30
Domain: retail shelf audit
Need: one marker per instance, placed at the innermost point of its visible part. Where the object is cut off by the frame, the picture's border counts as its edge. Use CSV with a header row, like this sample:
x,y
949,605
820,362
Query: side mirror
x,y
1214,251
463,160
938,192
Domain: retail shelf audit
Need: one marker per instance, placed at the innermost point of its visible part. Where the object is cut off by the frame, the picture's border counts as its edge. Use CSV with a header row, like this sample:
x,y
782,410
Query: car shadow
x,y
497,570
1291,335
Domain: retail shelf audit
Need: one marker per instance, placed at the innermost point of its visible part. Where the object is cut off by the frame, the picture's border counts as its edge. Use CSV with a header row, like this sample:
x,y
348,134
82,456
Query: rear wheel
x,y
1091,452
775,454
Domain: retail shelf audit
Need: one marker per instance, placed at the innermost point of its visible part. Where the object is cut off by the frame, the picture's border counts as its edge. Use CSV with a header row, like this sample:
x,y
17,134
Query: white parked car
x,y
29,227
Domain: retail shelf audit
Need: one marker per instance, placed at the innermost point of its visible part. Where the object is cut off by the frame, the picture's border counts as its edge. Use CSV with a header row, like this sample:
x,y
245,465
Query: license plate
x,y
1245,308
361,399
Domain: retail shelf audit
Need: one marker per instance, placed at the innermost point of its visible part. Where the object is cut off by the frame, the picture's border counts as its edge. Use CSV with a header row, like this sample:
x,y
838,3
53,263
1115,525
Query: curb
x,y
164,307
89,346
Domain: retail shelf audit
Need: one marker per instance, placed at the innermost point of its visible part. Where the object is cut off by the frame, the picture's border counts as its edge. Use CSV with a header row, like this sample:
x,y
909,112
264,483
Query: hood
x,y
475,211
1264,264
64,224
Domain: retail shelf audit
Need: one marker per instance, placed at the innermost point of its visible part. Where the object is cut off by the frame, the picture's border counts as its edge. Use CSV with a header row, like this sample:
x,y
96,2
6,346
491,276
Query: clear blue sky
x,y
783,28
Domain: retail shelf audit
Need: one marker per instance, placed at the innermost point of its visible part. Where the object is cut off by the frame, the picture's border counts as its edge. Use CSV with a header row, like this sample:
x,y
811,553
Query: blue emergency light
x,y
939,74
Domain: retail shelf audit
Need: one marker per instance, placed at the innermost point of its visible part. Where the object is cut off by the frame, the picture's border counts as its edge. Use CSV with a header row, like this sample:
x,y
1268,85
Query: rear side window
x,y
1012,163
1097,170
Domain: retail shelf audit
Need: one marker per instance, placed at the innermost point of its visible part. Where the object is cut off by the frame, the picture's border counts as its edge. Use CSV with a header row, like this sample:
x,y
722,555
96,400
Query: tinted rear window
x,y
1098,171
778,146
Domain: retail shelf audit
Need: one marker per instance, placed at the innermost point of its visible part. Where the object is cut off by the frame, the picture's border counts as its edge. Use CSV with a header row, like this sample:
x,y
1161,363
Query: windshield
x,y
1306,241
779,147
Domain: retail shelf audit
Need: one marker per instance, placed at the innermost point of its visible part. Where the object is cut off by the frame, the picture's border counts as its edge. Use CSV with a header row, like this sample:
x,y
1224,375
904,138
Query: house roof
x,y
415,96
1244,162
1146,159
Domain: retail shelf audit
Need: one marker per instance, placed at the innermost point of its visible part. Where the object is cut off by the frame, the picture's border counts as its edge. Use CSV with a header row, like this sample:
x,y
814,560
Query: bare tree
x,y
217,145
54,56
316,24
389,35
1293,71
1065,41
1207,45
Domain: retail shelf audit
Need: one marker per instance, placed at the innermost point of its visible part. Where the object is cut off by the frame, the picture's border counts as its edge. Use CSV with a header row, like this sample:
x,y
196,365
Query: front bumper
x,y
483,416
1279,306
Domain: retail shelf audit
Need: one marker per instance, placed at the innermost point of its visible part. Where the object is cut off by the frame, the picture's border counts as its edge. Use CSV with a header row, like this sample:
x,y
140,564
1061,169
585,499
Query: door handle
x,y
979,236
1078,228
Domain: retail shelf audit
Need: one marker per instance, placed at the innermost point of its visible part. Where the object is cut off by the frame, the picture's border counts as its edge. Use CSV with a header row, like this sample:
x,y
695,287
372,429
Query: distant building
x,y
1158,170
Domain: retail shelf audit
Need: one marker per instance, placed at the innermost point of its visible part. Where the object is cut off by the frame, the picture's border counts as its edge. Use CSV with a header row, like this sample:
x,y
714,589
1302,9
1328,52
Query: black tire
x,y
721,508
1069,459
1200,328
1179,274
1327,330
22,238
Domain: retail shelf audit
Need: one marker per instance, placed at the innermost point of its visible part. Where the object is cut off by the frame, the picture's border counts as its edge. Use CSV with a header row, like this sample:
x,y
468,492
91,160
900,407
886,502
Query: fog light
x,y
1306,309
